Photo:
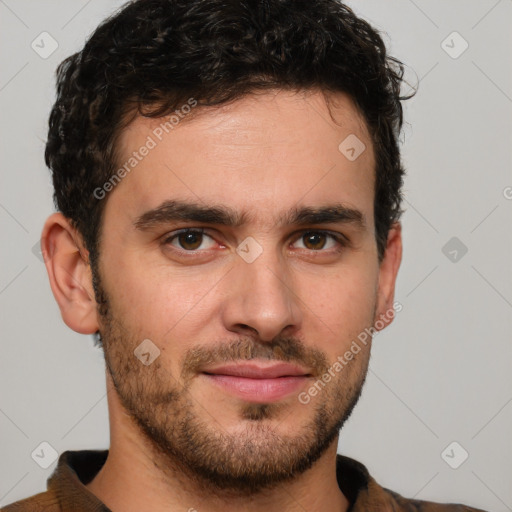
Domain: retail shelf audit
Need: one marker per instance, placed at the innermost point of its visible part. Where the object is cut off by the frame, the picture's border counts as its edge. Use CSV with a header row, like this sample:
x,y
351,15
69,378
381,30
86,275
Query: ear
x,y
387,277
67,264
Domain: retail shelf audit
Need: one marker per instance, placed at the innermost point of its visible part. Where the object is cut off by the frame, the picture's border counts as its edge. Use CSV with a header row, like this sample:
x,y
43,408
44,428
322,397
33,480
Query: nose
x,y
260,297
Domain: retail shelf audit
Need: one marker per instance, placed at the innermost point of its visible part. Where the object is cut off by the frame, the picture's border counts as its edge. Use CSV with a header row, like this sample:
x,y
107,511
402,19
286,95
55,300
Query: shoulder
x,y
366,494
43,502
412,505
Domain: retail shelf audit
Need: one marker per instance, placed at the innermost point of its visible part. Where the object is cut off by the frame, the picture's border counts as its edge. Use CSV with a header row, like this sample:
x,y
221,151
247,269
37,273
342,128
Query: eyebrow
x,y
177,210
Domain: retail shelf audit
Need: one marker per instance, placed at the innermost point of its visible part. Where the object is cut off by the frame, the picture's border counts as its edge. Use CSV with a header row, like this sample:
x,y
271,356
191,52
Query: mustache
x,y
284,349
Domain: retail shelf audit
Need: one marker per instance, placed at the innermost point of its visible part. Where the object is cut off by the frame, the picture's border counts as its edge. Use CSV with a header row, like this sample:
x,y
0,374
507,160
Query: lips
x,y
258,383
255,371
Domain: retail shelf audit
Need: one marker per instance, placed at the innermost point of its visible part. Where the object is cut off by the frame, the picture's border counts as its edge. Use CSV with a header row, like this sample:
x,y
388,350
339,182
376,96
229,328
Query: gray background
x,y
440,373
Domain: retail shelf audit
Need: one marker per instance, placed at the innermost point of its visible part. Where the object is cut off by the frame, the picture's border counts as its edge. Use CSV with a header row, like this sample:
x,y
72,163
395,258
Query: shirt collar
x,y
74,470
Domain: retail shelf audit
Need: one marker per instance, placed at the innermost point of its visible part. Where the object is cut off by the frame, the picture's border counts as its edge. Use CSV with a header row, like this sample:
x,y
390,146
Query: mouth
x,y
259,383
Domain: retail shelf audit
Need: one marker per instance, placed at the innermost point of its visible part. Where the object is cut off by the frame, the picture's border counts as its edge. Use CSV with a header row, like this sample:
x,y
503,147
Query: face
x,y
242,249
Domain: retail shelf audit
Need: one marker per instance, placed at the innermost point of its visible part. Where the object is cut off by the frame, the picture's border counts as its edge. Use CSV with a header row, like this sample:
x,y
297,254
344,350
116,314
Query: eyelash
x,y
341,240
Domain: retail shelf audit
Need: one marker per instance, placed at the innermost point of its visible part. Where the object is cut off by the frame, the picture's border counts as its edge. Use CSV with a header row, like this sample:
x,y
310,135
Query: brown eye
x,y
314,240
188,240
318,240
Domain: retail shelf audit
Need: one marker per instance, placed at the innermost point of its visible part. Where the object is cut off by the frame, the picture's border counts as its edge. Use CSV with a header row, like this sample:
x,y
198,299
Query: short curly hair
x,y
150,56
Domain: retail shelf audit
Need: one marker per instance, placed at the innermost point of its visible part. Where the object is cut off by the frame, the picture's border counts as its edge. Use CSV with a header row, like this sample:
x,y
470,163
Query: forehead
x,y
262,153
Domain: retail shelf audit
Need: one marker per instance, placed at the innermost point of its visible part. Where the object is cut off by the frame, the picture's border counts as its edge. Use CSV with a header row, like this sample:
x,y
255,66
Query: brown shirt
x,y
67,492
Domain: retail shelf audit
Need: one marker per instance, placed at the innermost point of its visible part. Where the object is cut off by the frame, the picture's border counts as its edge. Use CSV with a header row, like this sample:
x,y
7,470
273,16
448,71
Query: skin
x,y
302,300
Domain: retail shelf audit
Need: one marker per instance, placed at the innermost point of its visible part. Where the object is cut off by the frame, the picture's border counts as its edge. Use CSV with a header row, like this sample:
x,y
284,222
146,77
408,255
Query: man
x,y
228,181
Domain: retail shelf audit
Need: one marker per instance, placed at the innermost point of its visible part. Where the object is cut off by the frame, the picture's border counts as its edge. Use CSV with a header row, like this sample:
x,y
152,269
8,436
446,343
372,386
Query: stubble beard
x,y
189,444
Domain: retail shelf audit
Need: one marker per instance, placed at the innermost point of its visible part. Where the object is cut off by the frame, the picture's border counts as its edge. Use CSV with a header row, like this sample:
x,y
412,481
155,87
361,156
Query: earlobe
x,y
69,272
387,277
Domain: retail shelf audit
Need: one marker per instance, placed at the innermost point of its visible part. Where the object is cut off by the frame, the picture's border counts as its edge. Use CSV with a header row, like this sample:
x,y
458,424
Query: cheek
x,y
156,303
342,306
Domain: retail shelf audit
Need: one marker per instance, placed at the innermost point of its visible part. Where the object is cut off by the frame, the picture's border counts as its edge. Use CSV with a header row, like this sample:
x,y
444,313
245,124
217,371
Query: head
x,y
270,131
